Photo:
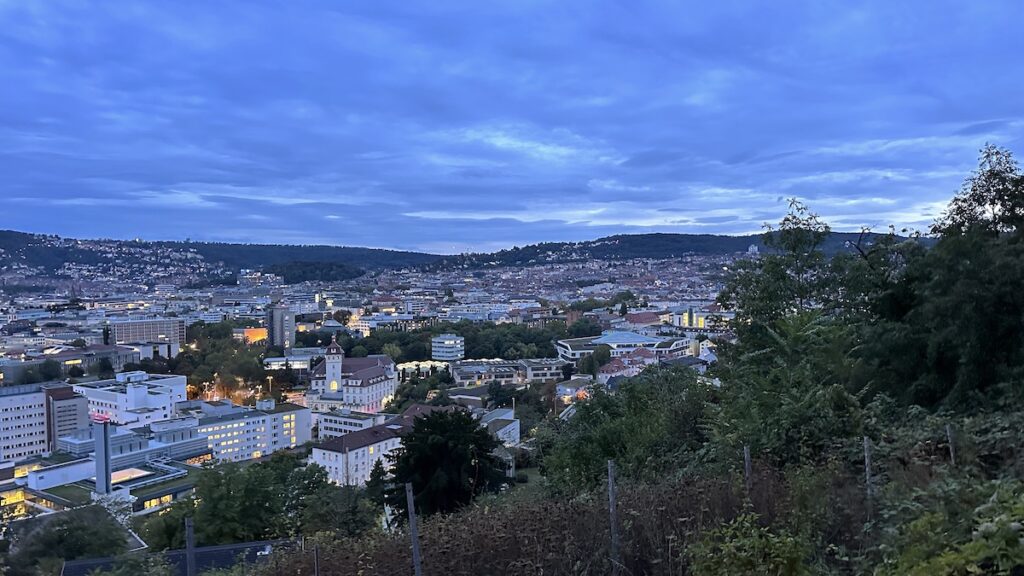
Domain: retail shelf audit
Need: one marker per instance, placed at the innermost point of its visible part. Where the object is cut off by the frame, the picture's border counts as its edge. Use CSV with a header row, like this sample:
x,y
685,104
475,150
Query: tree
x,y
78,343
342,316
392,350
592,363
376,485
447,456
584,327
359,352
88,532
76,372
568,369
991,199
102,368
499,395
623,309
50,369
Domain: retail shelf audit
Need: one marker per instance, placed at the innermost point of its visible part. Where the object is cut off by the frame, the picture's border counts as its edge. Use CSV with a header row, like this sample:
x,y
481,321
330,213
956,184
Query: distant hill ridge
x,y
50,252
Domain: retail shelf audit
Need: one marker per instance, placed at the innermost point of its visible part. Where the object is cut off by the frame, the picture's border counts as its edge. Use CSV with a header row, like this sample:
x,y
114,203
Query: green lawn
x,y
71,492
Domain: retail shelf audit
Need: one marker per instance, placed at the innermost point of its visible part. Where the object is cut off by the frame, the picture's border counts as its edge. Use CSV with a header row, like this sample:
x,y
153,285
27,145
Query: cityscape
x,y
514,289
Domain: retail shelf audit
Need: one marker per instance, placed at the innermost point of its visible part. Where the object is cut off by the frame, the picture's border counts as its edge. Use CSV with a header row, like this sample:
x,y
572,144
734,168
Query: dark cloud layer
x,y
450,126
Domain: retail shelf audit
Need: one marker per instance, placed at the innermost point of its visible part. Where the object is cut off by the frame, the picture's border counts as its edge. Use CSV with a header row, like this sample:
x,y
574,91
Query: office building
x,y
148,330
135,399
236,433
33,416
447,347
280,324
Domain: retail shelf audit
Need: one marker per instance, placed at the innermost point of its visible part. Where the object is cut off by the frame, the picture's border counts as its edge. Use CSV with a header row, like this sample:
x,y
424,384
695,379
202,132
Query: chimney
x,y
101,431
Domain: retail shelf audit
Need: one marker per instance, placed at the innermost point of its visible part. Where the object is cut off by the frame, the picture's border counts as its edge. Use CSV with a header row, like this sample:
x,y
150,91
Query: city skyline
x,y
461,127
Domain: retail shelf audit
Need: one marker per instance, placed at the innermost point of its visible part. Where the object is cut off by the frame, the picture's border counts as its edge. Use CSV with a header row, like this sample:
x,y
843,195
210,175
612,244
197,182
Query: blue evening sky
x,y
449,126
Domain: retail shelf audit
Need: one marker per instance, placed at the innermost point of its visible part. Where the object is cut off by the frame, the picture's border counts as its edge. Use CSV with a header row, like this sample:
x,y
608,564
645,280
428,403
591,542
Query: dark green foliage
x,y
50,369
745,547
276,498
296,272
447,456
88,532
583,328
656,421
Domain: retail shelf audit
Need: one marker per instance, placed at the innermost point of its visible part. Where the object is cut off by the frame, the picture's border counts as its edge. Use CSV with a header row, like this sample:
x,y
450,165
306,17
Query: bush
x,y
522,477
744,547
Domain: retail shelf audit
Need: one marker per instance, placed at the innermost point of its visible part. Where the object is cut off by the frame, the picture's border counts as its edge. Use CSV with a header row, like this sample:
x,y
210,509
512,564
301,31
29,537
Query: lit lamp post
x,y
270,385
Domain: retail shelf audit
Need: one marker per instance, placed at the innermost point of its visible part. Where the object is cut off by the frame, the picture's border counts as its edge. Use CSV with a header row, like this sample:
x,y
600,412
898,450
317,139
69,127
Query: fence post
x,y
867,470
613,518
190,548
951,438
414,531
747,469
316,560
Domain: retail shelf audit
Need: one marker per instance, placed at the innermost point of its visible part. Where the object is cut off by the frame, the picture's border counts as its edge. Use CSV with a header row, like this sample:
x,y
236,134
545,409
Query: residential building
x,y
447,347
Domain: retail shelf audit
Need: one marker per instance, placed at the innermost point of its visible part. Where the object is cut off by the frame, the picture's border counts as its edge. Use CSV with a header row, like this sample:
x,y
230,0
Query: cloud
x,y
456,126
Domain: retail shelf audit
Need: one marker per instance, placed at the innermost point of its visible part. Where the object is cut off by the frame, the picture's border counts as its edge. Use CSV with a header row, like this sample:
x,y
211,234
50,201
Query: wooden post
x,y
316,560
951,438
413,530
190,548
613,518
867,466
747,469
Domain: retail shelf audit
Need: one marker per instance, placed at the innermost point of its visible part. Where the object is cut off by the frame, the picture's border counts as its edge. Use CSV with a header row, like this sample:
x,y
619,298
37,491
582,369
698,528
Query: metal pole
x,y
190,548
613,518
316,560
413,530
951,438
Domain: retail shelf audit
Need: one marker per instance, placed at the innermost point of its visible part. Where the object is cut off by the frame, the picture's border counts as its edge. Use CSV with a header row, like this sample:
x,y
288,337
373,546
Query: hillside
x,y
52,256
627,246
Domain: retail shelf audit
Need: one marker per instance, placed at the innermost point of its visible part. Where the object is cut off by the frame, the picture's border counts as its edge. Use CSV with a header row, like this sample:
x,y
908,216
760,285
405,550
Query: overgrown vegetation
x,y
901,354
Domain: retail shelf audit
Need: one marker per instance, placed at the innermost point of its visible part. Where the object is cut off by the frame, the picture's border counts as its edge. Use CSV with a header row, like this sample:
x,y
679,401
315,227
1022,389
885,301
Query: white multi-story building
x,y
148,330
344,421
22,422
349,459
33,416
621,343
358,384
135,399
447,347
237,433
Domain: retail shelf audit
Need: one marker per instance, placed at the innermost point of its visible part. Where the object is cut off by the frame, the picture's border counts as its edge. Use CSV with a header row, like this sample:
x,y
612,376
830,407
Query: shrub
x,y
744,547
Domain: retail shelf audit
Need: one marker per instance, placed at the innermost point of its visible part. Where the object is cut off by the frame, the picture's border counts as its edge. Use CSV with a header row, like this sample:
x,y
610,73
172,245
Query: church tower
x,y
335,356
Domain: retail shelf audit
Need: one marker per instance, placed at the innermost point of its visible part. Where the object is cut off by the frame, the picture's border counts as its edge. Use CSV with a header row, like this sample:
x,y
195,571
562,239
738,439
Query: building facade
x,y
447,348
134,399
280,323
148,330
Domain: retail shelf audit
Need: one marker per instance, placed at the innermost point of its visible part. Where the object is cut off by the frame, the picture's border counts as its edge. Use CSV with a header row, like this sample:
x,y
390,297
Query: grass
x,y
71,492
